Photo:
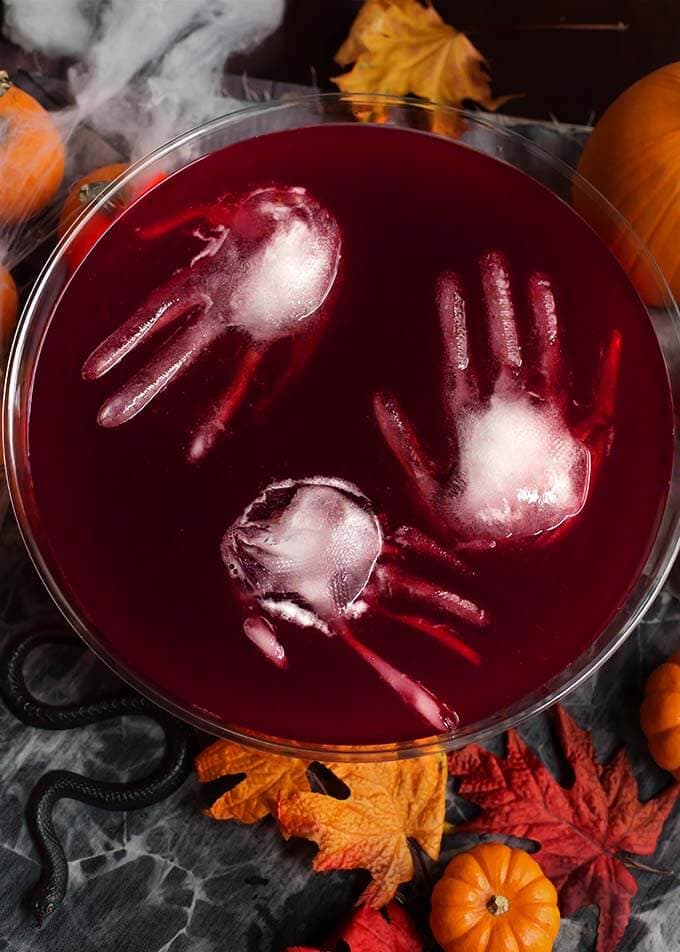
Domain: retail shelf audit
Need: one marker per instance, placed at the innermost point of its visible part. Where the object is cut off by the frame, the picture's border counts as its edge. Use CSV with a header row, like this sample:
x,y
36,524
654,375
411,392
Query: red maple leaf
x,y
369,930
581,830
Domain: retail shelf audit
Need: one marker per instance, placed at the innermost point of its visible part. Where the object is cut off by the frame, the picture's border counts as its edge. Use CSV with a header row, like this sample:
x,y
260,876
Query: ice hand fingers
x,y
402,440
420,591
159,311
441,633
604,402
221,414
544,316
263,635
459,375
502,323
597,431
435,712
179,353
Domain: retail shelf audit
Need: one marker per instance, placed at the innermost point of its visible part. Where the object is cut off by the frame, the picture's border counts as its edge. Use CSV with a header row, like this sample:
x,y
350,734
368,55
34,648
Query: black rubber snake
x,y
56,785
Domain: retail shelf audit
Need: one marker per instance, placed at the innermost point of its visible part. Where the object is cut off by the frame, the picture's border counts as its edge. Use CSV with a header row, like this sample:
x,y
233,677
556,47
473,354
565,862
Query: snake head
x,y
42,904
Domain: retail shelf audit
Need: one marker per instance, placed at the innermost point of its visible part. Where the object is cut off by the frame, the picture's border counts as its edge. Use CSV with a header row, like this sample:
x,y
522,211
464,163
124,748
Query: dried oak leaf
x,y
401,46
388,803
268,777
369,930
581,830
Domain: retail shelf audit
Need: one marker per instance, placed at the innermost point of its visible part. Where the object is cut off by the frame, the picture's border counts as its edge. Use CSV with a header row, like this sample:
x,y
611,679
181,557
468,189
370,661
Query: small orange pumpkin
x,y
633,158
31,154
84,191
660,715
494,898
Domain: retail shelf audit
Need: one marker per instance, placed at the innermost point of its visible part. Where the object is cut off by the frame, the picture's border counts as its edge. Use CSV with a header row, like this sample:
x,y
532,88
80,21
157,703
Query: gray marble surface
x,y
167,879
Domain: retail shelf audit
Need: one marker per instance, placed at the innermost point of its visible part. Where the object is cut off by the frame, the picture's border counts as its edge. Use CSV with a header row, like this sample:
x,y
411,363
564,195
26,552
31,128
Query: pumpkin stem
x,y
498,905
5,82
87,193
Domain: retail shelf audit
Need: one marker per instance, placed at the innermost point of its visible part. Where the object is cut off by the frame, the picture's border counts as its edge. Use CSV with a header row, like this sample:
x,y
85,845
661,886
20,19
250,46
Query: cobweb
x,y
142,73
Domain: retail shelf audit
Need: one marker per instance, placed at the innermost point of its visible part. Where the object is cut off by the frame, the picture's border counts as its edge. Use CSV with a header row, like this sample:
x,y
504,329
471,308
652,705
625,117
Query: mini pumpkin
x,y
633,158
81,194
660,715
31,154
84,191
494,898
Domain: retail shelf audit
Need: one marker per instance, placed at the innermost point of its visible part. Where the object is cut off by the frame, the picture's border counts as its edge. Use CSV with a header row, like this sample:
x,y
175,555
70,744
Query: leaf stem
x,y
419,856
318,781
526,27
635,864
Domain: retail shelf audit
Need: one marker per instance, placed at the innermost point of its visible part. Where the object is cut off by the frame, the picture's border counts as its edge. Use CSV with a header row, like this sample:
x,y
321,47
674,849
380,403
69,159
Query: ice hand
x,y
266,269
520,467
311,553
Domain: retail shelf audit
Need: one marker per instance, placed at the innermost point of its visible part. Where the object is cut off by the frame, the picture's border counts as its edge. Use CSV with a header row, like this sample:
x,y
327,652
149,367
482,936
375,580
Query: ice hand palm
x,y
521,470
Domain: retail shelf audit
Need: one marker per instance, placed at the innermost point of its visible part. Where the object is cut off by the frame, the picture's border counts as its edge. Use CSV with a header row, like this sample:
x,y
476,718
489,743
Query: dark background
x,y
566,60
569,74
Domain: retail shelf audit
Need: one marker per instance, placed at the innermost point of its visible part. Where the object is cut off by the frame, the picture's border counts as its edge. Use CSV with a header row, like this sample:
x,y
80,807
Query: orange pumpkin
x,y
79,196
85,191
31,154
660,715
9,306
633,158
497,899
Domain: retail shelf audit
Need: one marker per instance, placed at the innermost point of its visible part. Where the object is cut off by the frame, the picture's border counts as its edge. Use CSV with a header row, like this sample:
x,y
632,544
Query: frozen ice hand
x,y
269,261
311,552
519,466
318,539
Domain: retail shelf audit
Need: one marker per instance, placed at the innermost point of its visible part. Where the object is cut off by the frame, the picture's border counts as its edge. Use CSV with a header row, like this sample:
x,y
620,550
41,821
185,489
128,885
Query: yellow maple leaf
x,y
401,46
388,804
268,777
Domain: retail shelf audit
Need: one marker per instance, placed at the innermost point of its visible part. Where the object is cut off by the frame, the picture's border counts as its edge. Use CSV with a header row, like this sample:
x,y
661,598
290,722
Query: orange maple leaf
x,y
368,20
388,804
267,778
401,46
